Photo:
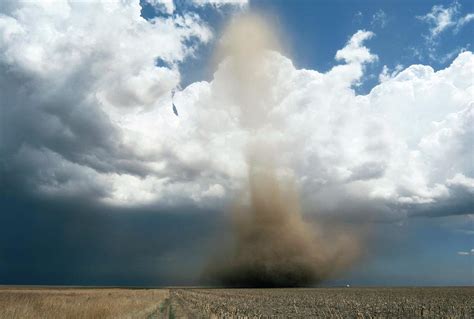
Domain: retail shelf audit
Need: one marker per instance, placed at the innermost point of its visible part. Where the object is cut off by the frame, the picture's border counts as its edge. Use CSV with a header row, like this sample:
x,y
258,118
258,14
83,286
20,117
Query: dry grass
x,y
80,303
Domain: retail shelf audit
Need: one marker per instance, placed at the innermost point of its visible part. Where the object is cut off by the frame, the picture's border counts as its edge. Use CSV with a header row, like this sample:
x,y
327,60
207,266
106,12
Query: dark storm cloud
x,y
460,203
79,243
60,115
52,132
60,87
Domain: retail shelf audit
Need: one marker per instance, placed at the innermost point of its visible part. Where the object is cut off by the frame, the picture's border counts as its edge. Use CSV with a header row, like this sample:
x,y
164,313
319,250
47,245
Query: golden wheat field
x,y
449,302
80,303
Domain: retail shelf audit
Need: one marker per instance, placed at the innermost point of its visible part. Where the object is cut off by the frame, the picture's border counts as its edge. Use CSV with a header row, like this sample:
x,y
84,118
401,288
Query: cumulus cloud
x,y
71,73
354,51
86,111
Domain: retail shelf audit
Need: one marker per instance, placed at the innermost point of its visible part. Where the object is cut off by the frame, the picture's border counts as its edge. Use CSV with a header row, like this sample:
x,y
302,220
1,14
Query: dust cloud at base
x,y
273,246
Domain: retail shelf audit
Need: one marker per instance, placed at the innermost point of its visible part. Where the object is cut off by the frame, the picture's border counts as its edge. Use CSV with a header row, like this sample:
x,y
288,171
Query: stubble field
x,y
238,303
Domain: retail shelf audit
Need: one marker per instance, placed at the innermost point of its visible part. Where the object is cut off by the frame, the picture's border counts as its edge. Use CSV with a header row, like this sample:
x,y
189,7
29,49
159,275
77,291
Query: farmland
x,y
80,303
326,302
238,303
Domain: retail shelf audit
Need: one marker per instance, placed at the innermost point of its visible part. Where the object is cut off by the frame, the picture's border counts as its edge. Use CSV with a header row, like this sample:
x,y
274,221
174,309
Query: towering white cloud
x,y
86,111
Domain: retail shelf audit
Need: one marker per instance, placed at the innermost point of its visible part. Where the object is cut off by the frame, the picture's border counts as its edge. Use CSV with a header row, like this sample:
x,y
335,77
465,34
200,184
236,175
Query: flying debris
x,y
175,110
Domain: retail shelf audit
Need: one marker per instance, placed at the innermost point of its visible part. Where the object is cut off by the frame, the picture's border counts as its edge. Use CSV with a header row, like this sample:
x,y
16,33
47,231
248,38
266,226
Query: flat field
x,y
449,302
81,303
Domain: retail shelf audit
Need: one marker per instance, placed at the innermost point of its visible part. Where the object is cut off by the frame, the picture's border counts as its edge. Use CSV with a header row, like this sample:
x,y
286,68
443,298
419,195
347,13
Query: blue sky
x,y
105,185
315,30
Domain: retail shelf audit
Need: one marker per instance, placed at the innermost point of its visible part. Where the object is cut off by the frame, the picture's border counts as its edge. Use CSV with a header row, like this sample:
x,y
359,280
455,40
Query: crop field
x,y
81,303
325,303
238,303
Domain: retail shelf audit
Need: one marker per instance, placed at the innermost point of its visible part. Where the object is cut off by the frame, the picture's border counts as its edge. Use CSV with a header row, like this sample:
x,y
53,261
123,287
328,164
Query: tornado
x,y
272,245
